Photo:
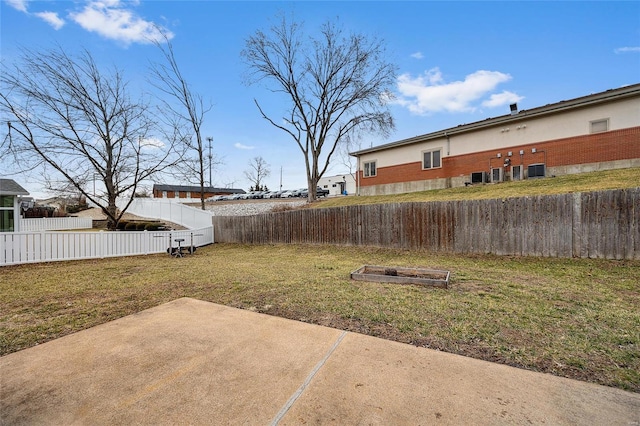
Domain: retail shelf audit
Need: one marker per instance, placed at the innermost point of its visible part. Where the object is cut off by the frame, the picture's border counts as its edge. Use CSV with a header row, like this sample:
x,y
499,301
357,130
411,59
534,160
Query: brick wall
x,y
596,148
182,194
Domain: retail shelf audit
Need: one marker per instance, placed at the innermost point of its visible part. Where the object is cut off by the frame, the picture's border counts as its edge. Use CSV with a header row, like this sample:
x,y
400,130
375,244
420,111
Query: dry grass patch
x,y
571,317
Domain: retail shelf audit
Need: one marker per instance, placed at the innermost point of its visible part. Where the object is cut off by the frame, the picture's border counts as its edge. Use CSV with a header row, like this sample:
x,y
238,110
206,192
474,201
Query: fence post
x,y
576,230
146,242
102,244
43,247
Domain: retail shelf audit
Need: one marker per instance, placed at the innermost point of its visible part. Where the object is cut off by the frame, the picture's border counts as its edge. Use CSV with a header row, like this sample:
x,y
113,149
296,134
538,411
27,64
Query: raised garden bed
x,y
386,274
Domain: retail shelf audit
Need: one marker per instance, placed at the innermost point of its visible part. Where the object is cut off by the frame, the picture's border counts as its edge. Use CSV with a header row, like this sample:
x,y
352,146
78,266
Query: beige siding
x,y
621,114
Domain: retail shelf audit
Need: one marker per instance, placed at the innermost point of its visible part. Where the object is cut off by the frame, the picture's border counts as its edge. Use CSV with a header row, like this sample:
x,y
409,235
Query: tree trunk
x,y
112,209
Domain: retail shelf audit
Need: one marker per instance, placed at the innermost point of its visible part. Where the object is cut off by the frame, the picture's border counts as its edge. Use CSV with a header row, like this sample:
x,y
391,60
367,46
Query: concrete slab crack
x,y
285,408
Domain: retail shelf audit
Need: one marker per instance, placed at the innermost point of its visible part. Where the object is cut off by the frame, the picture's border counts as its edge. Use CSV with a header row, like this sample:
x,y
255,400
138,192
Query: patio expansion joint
x,y
285,408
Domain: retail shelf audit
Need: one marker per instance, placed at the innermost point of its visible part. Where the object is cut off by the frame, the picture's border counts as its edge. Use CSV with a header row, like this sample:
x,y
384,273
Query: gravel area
x,y
249,208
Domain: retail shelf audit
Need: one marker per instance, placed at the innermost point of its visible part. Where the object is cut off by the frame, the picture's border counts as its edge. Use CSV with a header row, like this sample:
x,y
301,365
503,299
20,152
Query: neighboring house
x,y
10,193
596,132
184,192
338,184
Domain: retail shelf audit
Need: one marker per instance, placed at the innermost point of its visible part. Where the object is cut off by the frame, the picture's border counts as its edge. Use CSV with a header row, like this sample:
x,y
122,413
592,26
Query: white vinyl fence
x,y
170,211
30,247
47,246
55,223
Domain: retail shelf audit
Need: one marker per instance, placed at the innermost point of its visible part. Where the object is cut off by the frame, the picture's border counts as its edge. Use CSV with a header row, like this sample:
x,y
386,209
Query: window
x,y
516,172
597,126
535,171
478,177
369,169
496,175
431,159
7,223
6,201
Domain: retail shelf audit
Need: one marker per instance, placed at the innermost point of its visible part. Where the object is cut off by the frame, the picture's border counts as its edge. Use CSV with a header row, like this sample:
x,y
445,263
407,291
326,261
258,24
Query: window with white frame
x,y
7,212
432,159
597,126
370,169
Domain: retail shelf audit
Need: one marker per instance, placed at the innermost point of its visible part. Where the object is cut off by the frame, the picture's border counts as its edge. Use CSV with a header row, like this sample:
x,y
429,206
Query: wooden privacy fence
x,y
603,224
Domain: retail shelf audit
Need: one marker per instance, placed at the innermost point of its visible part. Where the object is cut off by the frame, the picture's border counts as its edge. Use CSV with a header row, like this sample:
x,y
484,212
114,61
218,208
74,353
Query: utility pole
x,y
210,139
280,178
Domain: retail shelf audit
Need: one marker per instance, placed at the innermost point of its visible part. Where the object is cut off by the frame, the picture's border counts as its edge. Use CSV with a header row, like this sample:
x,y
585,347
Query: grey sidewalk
x,y
194,362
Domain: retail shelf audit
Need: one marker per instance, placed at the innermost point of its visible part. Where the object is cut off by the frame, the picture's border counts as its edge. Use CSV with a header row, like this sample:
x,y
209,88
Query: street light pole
x,y
210,139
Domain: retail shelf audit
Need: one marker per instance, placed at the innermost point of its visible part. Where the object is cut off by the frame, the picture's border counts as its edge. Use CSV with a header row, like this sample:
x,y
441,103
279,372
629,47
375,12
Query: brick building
x,y
595,132
185,192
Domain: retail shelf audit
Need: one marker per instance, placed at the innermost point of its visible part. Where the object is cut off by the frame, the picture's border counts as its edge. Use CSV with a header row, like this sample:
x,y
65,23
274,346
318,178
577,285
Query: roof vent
x,y
514,109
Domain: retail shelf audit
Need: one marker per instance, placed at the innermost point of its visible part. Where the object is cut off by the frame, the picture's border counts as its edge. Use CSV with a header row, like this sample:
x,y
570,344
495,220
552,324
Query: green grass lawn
x,y
595,181
576,318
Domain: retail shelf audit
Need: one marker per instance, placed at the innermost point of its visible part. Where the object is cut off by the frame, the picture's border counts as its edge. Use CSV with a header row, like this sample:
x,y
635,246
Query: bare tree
x,y
185,119
337,85
65,113
258,171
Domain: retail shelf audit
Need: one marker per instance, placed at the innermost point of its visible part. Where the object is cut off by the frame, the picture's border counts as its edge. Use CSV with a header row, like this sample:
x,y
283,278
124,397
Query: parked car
x,y
288,194
304,193
320,192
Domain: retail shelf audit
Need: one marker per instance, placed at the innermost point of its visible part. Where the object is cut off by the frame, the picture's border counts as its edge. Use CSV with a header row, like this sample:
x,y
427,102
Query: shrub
x,y
121,225
140,226
153,226
130,226
282,208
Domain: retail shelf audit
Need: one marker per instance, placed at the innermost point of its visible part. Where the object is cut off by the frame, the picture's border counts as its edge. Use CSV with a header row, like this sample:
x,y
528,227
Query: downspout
x,y
448,144
358,177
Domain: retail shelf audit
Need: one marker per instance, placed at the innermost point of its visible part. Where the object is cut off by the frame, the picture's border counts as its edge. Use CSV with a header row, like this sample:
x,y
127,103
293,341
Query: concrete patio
x,y
195,362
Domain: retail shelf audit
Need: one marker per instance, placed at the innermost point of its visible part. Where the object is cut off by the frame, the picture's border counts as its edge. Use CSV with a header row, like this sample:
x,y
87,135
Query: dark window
x,y
6,200
535,171
516,173
478,177
6,221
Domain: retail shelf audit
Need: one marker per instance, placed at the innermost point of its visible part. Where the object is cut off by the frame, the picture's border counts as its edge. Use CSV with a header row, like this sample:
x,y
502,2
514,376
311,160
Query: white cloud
x,y
499,99
20,5
151,143
113,21
51,18
430,93
627,49
241,146
417,55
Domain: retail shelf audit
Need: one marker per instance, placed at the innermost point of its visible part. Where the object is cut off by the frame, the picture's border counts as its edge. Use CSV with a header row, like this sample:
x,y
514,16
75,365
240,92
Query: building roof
x,y
188,188
581,102
11,187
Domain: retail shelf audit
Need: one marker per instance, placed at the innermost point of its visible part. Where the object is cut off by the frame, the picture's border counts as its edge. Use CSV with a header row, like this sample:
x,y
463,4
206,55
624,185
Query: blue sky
x,y
458,62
